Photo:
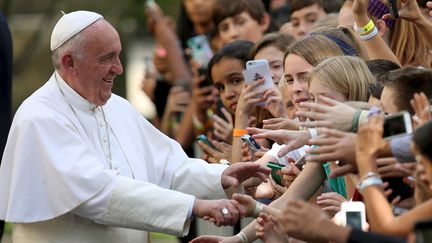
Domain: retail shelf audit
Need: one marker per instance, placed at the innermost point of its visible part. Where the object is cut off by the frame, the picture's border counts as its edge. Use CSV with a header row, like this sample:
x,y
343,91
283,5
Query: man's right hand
x,y
220,212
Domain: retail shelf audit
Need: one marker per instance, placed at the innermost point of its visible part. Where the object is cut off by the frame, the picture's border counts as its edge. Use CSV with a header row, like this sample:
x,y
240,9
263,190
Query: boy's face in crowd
x,y
296,71
228,80
304,19
317,88
274,56
199,11
97,69
241,27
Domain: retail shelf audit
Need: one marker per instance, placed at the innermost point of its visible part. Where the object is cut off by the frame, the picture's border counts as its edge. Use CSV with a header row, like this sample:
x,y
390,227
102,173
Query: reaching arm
x,y
376,46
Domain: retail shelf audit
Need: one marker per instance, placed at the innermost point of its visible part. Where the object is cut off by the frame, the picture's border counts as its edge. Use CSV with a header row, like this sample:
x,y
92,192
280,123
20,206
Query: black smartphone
x,y
202,71
301,162
219,106
393,8
423,231
251,142
275,173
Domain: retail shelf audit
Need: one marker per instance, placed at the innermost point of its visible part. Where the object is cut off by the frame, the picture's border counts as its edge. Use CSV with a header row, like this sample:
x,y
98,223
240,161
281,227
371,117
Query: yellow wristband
x,y
239,132
368,27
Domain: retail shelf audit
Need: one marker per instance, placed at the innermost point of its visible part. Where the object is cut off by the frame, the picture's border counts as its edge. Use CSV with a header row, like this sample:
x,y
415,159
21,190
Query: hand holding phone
x,y
203,138
200,48
256,70
301,162
251,142
275,173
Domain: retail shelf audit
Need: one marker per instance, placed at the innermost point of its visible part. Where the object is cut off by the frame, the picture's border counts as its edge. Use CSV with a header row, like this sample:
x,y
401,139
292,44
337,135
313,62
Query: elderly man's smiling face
x,y
98,63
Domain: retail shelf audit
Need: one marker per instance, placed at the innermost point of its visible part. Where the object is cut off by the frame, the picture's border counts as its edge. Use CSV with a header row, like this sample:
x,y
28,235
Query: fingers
x,y
255,131
294,169
284,150
316,107
212,152
326,100
343,170
310,114
227,115
313,124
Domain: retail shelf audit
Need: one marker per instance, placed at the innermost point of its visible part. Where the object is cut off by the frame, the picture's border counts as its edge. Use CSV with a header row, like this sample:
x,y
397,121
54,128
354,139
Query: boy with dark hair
x,y
304,14
240,20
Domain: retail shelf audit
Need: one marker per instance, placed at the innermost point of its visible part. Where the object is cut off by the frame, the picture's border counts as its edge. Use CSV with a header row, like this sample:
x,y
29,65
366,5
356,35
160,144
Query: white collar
x,y
72,97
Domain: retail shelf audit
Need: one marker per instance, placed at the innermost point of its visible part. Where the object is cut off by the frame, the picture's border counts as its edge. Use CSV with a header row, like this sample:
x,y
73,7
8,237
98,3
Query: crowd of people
x,y
338,68
333,146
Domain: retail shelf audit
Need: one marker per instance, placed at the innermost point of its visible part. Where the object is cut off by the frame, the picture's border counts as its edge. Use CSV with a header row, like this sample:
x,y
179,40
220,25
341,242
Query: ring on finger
x,y
224,211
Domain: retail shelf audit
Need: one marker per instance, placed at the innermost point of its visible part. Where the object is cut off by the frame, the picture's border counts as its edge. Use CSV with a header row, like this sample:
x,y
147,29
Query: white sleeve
x,y
139,205
201,179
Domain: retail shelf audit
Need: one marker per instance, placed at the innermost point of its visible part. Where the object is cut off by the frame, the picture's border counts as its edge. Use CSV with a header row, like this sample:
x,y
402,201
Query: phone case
x,y
255,73
301,162
274,173
201,51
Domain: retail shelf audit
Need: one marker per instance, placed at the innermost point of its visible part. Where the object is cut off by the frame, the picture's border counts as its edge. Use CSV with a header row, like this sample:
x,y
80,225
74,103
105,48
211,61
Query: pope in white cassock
x,y
81,165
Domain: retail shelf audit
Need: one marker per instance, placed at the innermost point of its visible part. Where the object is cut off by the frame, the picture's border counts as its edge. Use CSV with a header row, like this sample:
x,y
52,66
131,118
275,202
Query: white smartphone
x,y
398,124
253,63
353,214
258,69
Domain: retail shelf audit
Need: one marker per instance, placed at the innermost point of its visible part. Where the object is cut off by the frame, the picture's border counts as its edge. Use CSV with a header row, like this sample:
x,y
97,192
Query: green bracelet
x,y
355,120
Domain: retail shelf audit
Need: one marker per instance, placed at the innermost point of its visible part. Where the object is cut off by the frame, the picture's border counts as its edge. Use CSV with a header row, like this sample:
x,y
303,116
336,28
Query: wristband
x,y
365,29
370,181
242,237
239,132
355,121
258,208
313,133
370,35
367,175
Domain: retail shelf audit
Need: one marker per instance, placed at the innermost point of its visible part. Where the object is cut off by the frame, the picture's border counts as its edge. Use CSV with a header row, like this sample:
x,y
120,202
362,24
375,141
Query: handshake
x,y
229,211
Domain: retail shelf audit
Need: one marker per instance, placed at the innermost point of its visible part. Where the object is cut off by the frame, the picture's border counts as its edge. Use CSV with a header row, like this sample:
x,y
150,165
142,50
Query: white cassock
x,y
74,172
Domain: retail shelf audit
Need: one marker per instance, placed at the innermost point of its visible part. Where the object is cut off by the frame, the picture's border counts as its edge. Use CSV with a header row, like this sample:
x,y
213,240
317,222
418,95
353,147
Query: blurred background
x,y
31,23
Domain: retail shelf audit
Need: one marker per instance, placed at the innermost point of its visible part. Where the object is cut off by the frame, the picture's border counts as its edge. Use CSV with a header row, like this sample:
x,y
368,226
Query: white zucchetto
x,y
71,24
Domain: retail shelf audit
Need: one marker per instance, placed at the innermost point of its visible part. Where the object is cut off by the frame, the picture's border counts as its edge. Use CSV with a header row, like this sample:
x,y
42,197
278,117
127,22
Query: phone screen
x,y
423,231
354,219
394,125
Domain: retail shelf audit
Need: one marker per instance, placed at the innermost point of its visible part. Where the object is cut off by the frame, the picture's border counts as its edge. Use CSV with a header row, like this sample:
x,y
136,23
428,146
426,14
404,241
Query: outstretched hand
x,y
216,239
327,113
220,212
334,145
292,139
408,10
421,105
304,221
237,173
